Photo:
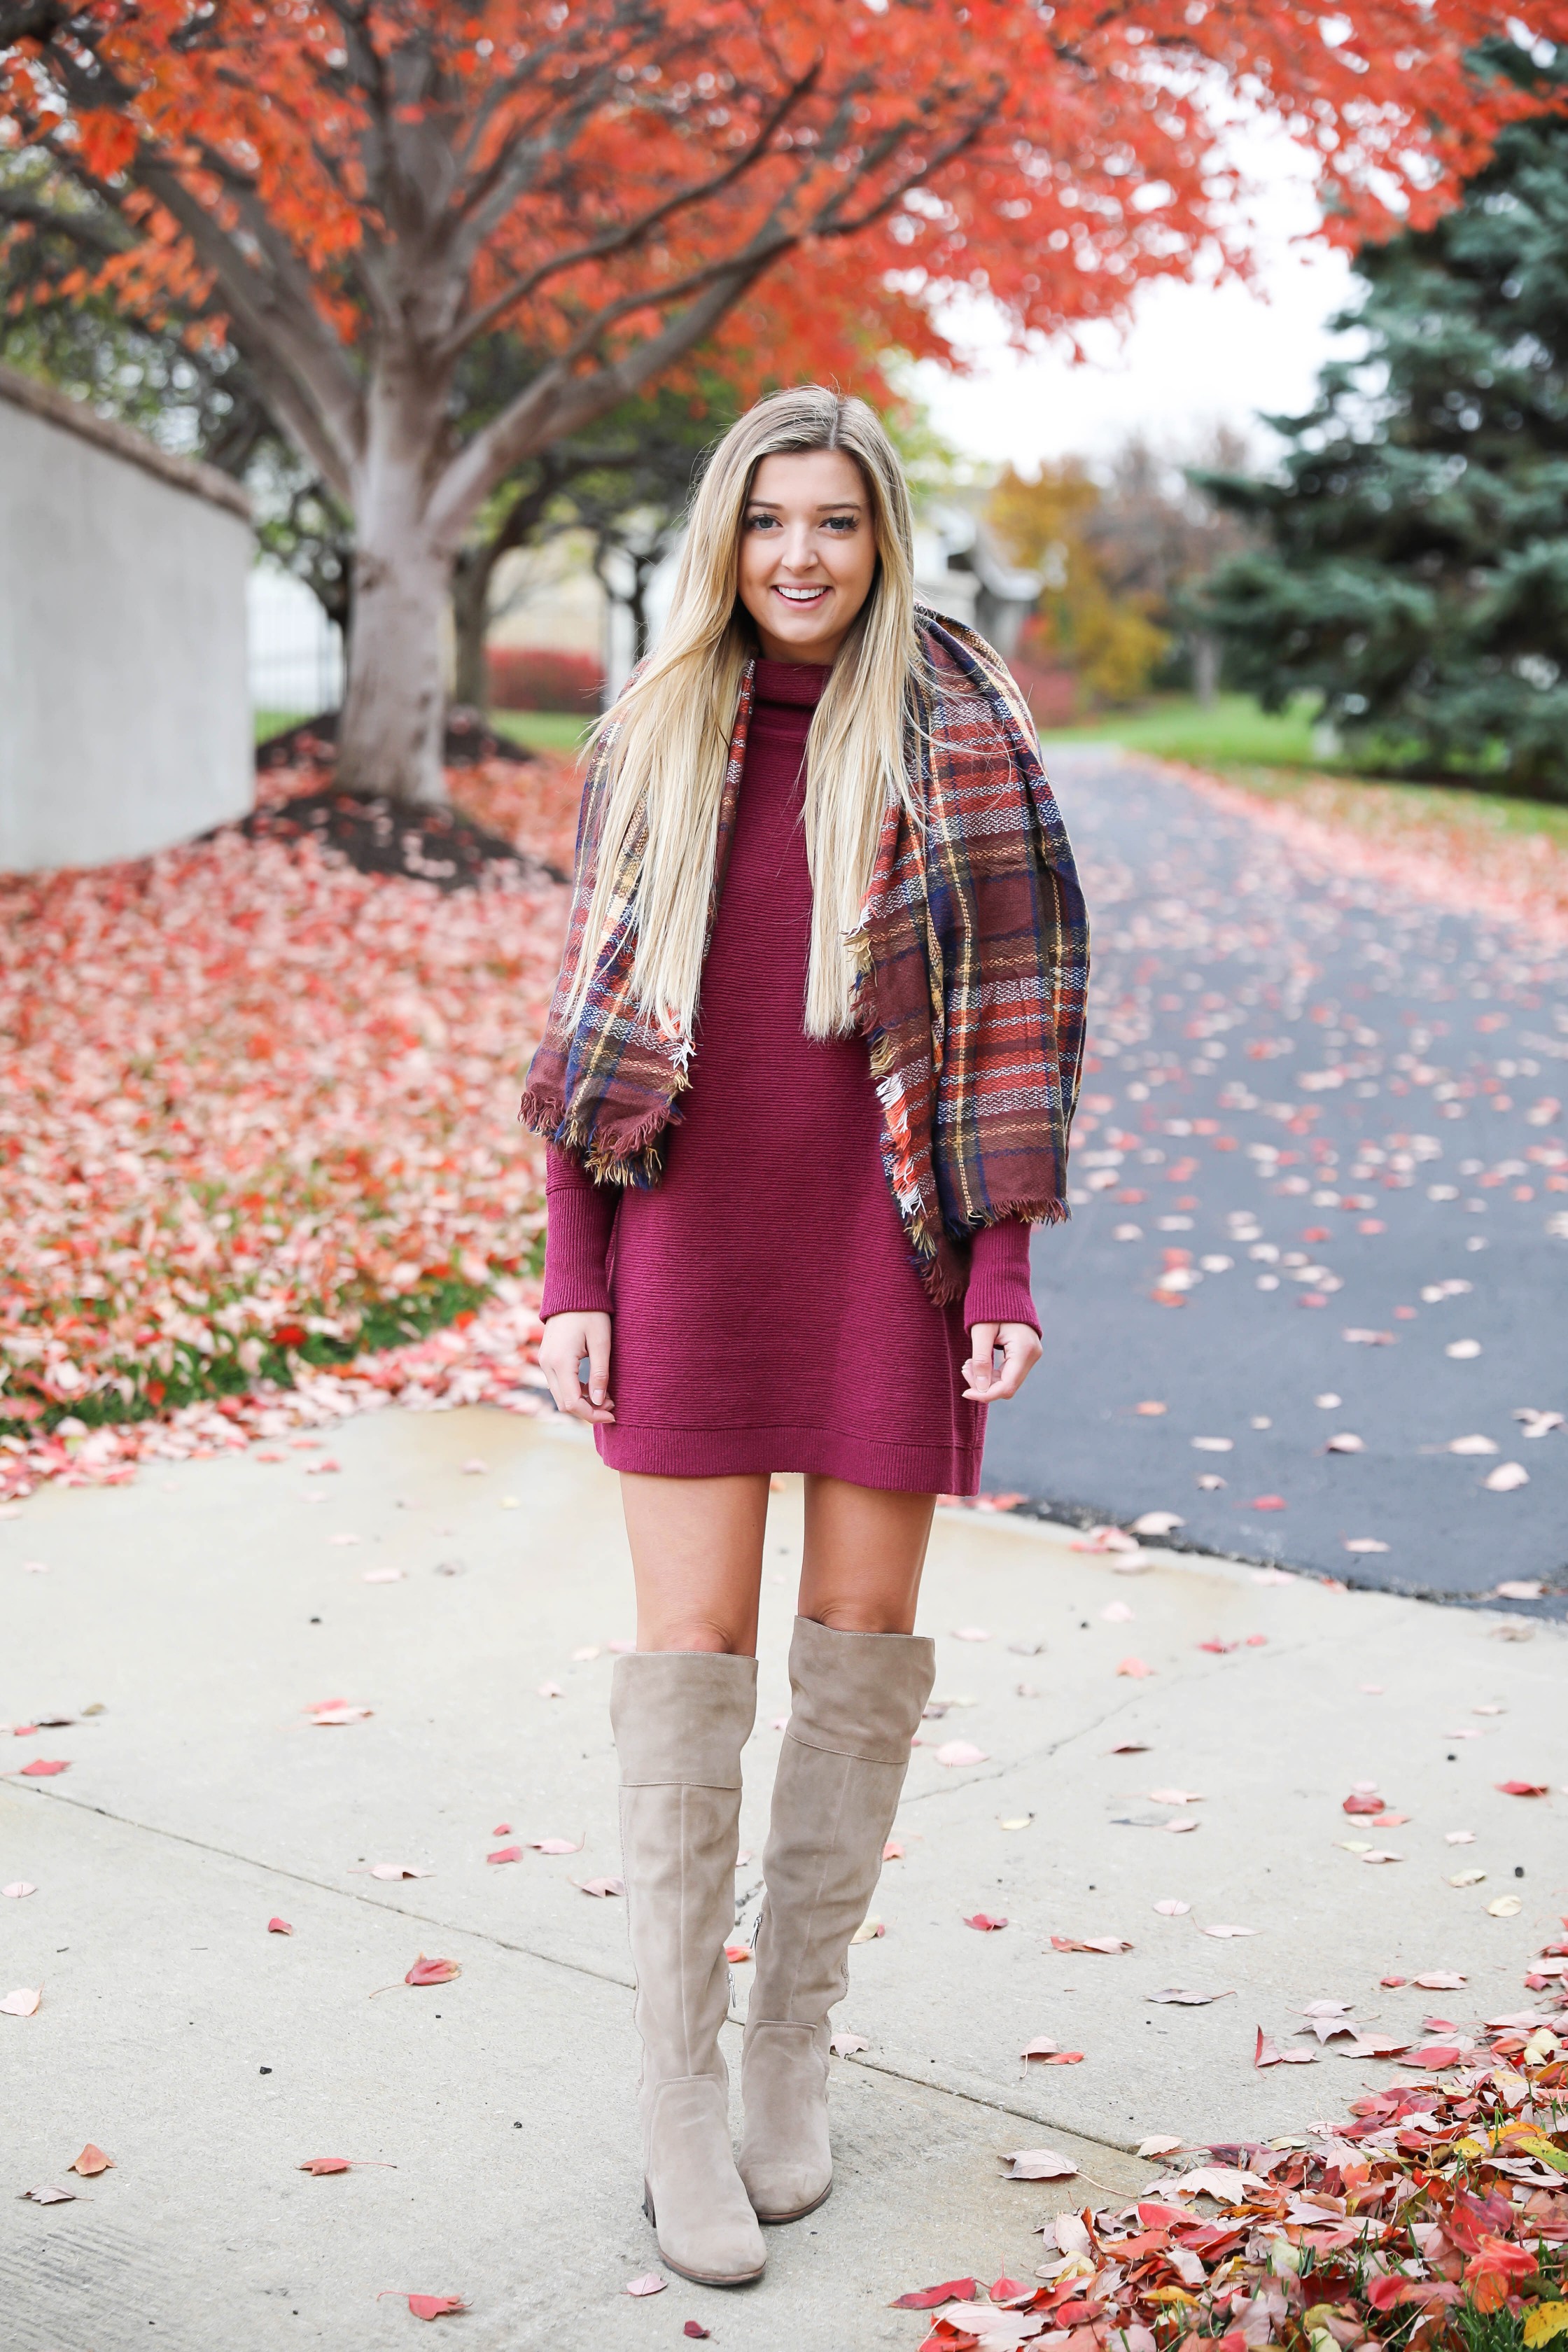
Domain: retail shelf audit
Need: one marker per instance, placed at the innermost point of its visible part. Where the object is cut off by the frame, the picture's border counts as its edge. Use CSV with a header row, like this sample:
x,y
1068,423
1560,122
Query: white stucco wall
x,y
125,714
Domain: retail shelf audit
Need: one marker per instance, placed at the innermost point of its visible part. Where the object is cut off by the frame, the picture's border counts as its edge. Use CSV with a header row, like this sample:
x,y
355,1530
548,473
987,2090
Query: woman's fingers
x,y
599,1359
977,1372
567,1340
1020,1347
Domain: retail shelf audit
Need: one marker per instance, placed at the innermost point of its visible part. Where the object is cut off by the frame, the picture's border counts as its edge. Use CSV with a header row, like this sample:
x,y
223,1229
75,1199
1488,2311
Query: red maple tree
x,y
366,189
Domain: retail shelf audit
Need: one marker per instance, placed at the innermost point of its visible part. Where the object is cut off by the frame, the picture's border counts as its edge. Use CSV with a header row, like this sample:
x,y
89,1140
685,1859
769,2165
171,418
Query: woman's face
x,y
808,554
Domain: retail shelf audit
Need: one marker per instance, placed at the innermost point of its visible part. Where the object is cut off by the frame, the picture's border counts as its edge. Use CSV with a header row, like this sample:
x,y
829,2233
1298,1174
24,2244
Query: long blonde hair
x,y
668,736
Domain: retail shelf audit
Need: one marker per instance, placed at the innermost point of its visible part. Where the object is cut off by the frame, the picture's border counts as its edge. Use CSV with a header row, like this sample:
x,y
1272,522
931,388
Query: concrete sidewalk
x,y
208,1606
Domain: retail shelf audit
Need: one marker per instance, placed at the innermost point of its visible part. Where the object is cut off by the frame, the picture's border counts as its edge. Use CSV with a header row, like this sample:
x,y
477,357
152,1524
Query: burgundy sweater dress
x,y
767,1315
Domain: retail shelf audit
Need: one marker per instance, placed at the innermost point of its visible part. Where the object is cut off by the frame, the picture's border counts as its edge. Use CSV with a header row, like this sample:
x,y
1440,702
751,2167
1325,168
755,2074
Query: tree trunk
x,y
470,615
392,732
1205,668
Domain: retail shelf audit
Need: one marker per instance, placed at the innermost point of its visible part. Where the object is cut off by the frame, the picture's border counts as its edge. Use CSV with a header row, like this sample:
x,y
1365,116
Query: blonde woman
x,y
807,1079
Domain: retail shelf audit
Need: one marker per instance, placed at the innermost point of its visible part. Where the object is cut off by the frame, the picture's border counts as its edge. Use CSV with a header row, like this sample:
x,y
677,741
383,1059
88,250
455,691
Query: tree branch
x,y
620,240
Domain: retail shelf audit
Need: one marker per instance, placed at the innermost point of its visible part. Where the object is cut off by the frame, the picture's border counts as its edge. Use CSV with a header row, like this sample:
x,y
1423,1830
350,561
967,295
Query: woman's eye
x,y
842,524
760,521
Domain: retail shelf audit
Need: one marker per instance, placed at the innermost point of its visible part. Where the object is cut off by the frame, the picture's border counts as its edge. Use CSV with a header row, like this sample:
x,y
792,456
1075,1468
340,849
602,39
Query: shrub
x,y
543,677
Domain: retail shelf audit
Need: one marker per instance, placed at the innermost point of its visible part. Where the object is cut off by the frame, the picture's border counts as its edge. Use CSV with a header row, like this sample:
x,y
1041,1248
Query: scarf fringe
x,y
631,1158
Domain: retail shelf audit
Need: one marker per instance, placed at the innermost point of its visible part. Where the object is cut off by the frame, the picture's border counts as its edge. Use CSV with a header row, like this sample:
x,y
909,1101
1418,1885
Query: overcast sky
x,y
1193,356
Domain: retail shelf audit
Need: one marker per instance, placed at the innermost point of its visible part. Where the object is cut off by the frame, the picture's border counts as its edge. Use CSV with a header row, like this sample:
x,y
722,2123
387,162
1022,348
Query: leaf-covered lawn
x,y
259,1112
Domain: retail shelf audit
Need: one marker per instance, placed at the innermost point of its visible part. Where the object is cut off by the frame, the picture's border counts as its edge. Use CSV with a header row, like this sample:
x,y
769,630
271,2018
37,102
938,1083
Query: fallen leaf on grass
x,y
18,1888
926,2298
1433,2057
23,2003
1376,2045
1265,2054
91,2162
1547,2321
1179,1997
44,1768
987,1922
1523,1787
601,1886
955,1752
1225,2183
1111,1944
1039,2163
845,2045
650,2283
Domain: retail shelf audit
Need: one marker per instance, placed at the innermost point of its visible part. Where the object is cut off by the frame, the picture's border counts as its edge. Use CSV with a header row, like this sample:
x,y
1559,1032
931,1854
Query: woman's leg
x,y
697,1557
865,1548
682,1708
861,1680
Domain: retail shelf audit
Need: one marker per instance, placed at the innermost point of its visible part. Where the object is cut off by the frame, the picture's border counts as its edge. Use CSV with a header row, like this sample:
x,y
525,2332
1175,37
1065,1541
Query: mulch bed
x,y
378,835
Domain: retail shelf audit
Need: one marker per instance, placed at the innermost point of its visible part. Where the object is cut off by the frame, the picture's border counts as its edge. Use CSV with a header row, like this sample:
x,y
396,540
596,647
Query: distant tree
x,y
1081,623
1414,569
1156,535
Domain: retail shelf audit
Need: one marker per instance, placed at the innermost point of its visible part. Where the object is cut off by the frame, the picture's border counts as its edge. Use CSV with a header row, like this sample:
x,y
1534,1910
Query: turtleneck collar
x,y
800,683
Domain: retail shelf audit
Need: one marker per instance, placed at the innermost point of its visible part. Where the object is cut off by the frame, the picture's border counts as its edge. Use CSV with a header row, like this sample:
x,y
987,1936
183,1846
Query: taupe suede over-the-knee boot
x,y
680,1720
857,1701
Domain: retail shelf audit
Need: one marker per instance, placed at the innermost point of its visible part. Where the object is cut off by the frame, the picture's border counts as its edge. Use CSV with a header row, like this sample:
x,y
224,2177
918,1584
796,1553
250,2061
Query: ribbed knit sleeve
x,y
998,1288
580,1214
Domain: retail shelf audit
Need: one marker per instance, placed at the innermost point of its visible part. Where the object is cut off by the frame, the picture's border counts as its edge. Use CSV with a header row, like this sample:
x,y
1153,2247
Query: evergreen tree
x,y
1413,563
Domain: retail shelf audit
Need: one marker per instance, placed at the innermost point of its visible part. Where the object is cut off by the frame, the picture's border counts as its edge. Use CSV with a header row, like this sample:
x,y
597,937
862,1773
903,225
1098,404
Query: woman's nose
x,y
799,552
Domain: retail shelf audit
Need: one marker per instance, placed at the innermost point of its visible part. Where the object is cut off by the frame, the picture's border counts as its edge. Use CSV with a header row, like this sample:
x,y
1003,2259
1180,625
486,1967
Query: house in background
x,y
124,712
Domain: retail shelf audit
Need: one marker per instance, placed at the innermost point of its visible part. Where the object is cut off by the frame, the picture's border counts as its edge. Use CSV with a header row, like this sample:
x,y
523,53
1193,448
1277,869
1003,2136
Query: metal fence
x,y
296,658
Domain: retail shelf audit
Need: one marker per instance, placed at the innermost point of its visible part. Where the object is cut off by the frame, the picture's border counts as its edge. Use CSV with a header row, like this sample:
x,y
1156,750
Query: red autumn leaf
x,y
431,1972
44,1768
91,2162
1362,1802
737,1954
427,2307
695,2327
1517,1788
324,2164
506,1854
1008,2290
1435,2054
501,1829
276,1927
926,2298
987,1922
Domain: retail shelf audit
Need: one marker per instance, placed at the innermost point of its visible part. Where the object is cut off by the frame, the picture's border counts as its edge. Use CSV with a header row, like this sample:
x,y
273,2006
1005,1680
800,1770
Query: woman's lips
x,y
801,600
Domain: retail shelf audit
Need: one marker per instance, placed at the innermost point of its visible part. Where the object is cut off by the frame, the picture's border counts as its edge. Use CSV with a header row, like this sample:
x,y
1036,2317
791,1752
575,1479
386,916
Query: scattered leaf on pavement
x,y
91,2162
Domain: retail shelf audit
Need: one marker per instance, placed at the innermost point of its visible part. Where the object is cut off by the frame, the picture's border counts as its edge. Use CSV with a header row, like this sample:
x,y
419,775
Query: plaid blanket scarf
x,y
972,966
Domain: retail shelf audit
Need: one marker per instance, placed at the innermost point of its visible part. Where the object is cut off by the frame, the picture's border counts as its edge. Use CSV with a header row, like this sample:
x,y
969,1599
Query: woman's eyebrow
x,y
828,505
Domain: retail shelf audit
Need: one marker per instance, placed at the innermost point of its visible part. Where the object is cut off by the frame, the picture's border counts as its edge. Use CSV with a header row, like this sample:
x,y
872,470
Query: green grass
x,y
541,731
273,723
1271,754
1230,728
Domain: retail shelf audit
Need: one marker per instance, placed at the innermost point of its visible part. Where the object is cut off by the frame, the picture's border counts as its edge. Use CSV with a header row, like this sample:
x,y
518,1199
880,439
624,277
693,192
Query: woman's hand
x,y
1020,1346
567,1340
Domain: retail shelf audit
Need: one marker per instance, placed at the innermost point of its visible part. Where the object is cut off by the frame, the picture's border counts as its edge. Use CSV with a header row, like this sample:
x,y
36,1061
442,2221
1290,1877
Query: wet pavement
x,y
1320,1214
